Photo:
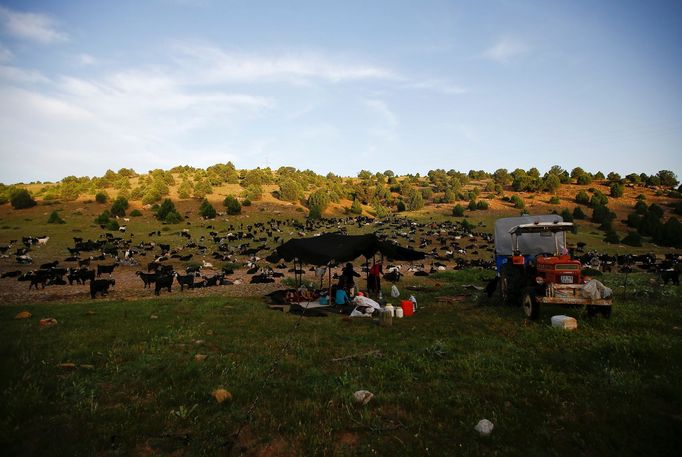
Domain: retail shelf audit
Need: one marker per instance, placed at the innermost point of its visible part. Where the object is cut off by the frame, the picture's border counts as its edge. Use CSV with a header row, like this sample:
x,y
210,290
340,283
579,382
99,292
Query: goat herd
x,y
449,245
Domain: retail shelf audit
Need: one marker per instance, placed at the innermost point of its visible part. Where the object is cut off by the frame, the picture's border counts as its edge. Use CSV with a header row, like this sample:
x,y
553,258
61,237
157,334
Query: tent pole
x,y
329,271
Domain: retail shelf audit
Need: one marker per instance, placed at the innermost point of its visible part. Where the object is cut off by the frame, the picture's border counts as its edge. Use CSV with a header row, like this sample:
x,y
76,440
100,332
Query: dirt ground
x,y
128,287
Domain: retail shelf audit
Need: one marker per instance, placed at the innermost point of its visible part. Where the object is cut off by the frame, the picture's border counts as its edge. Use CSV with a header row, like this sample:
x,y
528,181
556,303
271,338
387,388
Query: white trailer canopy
x,y
533,241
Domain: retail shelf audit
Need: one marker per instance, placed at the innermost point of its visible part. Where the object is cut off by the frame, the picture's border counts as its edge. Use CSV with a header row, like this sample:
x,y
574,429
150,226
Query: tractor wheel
x,y
605,311
531,308
510,285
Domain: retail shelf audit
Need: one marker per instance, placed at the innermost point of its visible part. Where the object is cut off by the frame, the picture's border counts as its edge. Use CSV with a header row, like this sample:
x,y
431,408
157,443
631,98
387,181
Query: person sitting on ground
x,y
341,298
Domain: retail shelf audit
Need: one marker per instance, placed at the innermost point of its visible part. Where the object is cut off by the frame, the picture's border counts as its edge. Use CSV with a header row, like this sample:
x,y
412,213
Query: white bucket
x,y
399,312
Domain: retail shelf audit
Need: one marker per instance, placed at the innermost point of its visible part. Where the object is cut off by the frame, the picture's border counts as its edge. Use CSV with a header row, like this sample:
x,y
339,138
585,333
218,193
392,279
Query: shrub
x,y
632,239
598,199
290,190
458,210
253,192
566,215
601,214
167,212
206,210
582,198
101,197
518,202
112,225
246,202
355,207
483,205
135,213
611,237
400,206
472,205
578,213
554,200
617,190
55,219
103,218
21,199
584,179
119,207
232,205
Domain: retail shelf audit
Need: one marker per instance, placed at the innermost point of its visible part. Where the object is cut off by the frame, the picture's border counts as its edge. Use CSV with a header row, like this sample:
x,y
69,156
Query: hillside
x,y
288,192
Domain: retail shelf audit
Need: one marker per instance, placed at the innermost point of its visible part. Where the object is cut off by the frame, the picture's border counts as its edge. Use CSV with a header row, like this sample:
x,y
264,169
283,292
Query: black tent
x,y
320,250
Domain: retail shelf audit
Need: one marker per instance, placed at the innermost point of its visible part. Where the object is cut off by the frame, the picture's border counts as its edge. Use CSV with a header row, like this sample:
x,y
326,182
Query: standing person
x,y
374,278
347,275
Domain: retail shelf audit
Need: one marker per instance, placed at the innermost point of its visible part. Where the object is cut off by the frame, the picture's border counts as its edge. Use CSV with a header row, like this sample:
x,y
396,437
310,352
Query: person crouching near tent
x,y
374,278
347,281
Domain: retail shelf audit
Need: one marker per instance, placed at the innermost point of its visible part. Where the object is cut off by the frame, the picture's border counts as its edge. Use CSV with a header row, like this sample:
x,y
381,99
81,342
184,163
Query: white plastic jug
x,y
389,309
398,312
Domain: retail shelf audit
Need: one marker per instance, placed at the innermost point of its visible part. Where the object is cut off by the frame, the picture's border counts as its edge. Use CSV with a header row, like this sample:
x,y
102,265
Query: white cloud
x,y
438,85
506,49
5,54
294,67
20,75
87,59
387,127
32,26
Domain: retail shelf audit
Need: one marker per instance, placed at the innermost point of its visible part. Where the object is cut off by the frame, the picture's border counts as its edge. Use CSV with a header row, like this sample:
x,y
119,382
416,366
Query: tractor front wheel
x,y
531,308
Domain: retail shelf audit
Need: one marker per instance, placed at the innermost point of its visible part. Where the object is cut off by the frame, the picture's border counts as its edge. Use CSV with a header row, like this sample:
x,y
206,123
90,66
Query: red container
x,y
408,307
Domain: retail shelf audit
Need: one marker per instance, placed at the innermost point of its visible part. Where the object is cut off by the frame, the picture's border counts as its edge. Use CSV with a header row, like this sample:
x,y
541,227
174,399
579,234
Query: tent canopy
x,y
530,243
320,250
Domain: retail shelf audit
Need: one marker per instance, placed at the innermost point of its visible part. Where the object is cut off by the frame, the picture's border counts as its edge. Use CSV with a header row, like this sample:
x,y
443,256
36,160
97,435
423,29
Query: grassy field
x,y
609,388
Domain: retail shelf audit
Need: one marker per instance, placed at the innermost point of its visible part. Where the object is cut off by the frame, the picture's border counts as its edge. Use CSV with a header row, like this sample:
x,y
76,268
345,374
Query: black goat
x,y
163,281
147,278
185,280
101,286
106,269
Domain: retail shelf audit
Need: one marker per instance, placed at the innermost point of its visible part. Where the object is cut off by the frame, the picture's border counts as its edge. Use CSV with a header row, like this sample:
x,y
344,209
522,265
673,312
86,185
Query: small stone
x,y
200,357
48,322
198,342
484,427
221,395
362,397
23,315
153,317
87,366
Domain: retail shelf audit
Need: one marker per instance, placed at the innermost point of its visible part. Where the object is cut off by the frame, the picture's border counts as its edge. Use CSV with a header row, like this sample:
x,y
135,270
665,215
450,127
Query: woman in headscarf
x,y
347,274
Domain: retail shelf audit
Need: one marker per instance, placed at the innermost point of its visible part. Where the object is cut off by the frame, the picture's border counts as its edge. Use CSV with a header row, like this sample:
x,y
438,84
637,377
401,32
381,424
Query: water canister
x,y
398,312
407,307
389,309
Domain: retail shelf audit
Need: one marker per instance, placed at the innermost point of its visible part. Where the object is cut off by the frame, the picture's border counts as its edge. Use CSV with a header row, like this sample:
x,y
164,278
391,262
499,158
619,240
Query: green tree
x,y
202,188
355,207
318,202
617,189
21,199
290,190
185,189
206,210
582,198
584,179
518,202
578,213
458,210
552,183
232,204
101,197
119,207
415,201
168,213
667,178
55,219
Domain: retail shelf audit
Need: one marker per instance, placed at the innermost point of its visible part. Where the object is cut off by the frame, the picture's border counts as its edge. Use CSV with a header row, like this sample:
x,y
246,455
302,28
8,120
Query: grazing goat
x,y
185,280
106,269
163,281
147,278
101,286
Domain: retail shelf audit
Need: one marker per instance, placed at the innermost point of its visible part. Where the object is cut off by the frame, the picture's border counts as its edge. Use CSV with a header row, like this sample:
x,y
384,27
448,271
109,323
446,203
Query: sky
x,y
339,86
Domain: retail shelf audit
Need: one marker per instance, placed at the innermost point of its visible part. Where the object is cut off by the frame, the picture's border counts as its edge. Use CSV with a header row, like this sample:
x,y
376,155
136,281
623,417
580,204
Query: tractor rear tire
x,y
531,308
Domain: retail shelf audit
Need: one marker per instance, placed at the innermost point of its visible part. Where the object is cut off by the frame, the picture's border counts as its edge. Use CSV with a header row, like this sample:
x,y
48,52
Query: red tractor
x,y
534,267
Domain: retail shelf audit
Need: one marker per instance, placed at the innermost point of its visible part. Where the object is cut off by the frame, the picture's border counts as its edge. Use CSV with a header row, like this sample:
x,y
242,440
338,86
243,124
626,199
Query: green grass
x,y
609,388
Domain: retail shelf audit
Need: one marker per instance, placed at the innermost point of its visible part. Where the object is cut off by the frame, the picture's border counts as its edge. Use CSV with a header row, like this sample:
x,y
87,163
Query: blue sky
x,y
339,86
